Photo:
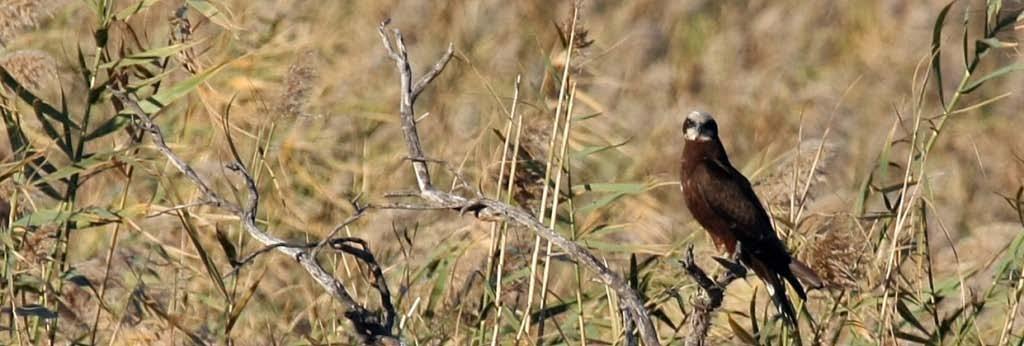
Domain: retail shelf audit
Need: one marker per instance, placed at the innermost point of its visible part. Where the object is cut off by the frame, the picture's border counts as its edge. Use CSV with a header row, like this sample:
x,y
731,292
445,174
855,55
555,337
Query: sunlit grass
x,y
910,205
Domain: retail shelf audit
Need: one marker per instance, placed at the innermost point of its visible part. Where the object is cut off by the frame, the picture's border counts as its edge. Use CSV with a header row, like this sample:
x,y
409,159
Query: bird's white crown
x,y
699,126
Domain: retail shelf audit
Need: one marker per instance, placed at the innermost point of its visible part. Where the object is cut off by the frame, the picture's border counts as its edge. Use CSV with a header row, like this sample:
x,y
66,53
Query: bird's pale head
x,y
700,126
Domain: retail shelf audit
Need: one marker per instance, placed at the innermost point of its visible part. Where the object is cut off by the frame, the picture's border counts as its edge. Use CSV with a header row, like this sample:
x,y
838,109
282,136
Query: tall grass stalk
x,y
561,158
563,87
567,166
502,244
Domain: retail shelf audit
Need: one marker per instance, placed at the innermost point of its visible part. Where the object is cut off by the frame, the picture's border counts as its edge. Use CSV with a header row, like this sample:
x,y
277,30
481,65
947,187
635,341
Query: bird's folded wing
x,y
728,193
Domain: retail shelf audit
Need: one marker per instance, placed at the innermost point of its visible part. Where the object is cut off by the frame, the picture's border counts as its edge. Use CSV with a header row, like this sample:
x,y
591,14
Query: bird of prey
x,y
720,198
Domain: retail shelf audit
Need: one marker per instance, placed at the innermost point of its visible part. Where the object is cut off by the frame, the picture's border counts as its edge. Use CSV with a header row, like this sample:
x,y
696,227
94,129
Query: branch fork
x,y
488,209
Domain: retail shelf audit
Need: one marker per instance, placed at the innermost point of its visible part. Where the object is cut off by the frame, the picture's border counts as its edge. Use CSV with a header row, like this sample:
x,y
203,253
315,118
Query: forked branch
x,y
489,209
374,327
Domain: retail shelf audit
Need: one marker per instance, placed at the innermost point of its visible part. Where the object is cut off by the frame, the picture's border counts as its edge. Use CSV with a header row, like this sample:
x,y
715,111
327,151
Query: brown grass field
x,y
884,136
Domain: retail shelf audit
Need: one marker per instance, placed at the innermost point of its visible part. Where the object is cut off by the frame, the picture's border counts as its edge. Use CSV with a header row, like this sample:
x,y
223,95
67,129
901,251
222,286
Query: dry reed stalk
x,y
563,88
552,220
518,119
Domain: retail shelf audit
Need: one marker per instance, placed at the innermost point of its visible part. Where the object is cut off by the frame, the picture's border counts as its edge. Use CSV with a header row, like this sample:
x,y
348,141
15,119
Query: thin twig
x,y
177,208
238,264
351,219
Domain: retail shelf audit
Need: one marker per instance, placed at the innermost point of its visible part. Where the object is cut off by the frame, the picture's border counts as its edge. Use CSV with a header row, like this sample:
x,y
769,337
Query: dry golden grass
x,y
32,68
313,106
23,15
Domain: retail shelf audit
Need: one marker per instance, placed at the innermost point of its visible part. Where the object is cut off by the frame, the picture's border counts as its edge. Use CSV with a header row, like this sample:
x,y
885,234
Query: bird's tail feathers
x,y
806,274
788,275
777,289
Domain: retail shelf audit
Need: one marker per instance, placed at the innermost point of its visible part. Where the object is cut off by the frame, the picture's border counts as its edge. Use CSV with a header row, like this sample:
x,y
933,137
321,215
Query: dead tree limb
x,y
710,297
489,209
374,327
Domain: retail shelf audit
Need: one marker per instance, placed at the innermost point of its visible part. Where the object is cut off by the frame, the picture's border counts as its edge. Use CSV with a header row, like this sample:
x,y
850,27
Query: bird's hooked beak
x,y
700,126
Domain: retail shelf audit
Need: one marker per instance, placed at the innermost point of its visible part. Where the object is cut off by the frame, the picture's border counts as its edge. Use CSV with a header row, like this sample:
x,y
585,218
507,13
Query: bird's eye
x,y
687,124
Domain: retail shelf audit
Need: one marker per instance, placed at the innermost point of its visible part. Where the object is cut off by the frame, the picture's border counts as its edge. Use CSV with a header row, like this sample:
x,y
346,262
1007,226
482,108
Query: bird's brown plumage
x,y
722,201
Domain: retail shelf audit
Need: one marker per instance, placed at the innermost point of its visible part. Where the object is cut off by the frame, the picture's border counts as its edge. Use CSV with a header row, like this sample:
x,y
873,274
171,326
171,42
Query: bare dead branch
x,y
370,325
161,145
459,178
628,327
434,71
489,209
399,194
238,264
709,299
359,214
406,108
363,253
414,206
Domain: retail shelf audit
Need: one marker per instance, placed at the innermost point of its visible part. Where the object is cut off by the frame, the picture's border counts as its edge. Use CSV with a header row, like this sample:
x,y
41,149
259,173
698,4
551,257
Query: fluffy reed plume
x,y
181,33
836,249
34,69
533,153
580,44
581,41
537,126
298,83
782,185
18,16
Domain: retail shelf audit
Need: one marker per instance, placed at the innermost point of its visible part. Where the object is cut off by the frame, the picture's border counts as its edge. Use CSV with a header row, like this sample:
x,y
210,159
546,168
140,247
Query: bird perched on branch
x,y
722,201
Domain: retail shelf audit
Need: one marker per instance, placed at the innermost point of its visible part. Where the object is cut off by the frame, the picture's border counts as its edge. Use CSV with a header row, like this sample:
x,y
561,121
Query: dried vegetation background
x,y
819,102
